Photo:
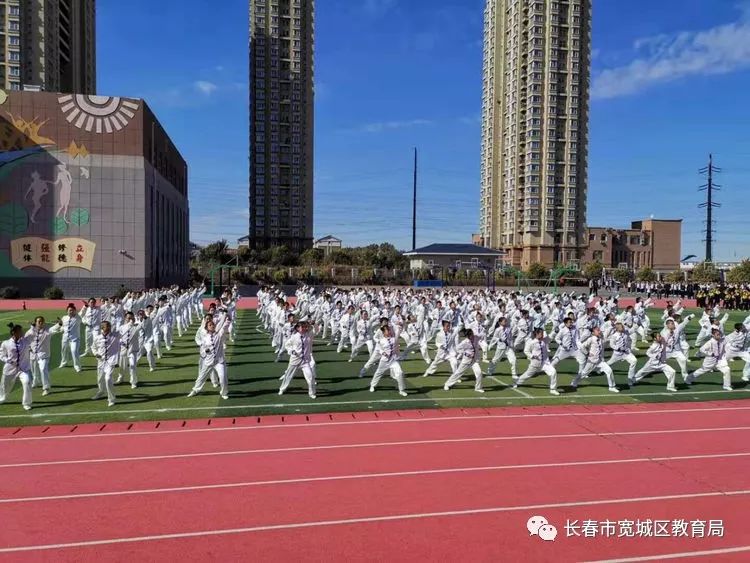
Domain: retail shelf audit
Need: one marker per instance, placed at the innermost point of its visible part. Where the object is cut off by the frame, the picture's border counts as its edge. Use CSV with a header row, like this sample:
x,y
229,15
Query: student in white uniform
x,y
15,356
737,350
146,338
469,352
621,343
40,336
346,324
130,344
657,362
714,359
364,335
593,352
106,348
671,334
503,339
388,344
92,317
537,351
212,345
71,337
377,353
299,346
567,340
445,342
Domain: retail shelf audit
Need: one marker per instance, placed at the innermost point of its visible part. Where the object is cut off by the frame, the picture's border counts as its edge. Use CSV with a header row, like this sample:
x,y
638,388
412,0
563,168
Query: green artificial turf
x,y
254,384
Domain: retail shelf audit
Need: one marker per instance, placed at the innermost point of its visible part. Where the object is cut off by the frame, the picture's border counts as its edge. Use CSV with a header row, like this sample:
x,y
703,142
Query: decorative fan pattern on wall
x,y
103,114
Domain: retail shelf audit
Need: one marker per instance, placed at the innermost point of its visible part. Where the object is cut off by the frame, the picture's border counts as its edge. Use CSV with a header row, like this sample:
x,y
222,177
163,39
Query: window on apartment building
x,y
14,40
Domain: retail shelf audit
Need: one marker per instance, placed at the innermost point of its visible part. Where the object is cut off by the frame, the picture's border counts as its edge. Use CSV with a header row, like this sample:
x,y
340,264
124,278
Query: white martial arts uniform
x,y
621,344
15,355
657,361
70,343
106,348
445,342
593,352
130,344
212,352
468,352
389,362
299,347
503,338
736,350
714,359
537,351
92,318
41,340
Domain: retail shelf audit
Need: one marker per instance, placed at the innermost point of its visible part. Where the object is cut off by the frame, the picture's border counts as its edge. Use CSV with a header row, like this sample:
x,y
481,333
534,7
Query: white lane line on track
x,y
483,399
372,445
421,472
684,554
438,419
350,521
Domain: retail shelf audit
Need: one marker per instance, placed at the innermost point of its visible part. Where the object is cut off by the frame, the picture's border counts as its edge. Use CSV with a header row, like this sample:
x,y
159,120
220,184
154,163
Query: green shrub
x,y
54,293
10,292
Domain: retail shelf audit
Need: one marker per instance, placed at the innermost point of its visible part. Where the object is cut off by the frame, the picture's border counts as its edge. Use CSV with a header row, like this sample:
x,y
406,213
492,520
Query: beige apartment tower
x,y
535,96
48,45
281,123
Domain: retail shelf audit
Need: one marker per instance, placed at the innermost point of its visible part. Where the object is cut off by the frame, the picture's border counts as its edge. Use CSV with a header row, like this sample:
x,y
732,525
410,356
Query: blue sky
x,y
670,83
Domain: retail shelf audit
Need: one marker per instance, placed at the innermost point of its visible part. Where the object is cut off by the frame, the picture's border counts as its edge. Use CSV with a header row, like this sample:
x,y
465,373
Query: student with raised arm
x,y
40,336
130,343
657,362
212,343
714,359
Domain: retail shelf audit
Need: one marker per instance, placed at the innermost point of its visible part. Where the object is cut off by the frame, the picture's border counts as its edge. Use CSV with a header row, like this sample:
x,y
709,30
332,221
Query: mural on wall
x,y
46,187
52,255
100,113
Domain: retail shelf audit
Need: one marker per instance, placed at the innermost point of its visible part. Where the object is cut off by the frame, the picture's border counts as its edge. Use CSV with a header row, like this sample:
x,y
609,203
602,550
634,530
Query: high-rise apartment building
x,y
281,123
48,45
537,59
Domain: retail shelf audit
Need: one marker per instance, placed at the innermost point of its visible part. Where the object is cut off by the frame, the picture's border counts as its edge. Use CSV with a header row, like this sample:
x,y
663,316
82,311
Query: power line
x,y
709,205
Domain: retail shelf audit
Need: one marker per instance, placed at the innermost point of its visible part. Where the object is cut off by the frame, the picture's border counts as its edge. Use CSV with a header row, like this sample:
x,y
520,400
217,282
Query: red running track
x,y
446,485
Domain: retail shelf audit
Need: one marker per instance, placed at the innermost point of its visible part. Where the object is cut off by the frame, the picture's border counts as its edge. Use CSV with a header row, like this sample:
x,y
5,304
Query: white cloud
x,y
205,87
666,58
376,8
391,125
470,119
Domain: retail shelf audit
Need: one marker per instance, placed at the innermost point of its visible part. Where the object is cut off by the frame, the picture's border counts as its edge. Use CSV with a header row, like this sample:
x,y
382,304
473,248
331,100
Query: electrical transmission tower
x,y
709,205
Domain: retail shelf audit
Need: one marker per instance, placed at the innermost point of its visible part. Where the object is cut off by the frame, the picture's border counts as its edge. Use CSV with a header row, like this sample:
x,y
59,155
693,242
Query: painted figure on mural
x,y
38,189
66,187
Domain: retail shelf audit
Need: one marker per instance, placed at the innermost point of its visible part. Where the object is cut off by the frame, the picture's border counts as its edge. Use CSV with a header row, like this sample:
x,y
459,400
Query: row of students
x,y
118,341
582,331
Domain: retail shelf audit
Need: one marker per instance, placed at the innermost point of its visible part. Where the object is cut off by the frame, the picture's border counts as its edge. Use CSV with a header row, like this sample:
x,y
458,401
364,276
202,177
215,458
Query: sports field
x,y
254,384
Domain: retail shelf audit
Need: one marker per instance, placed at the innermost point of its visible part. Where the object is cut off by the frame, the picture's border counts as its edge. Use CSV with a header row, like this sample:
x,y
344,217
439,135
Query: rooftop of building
x,y
454,249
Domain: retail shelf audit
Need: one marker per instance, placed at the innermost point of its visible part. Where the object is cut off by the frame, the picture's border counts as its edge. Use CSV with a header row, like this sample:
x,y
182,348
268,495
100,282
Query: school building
x,y
652,243
93,196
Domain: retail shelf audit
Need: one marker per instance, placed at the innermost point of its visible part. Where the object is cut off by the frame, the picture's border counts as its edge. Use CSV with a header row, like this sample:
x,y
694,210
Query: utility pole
x,y
414,207
709,205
